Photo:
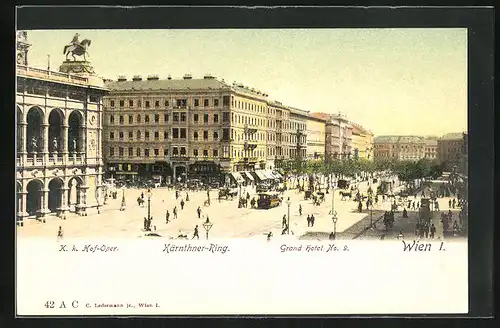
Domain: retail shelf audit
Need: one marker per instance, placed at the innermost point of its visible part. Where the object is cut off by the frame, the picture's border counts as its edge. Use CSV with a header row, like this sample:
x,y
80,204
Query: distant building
x,y
338,136
405,148
316,132
451,149
362,142
430,148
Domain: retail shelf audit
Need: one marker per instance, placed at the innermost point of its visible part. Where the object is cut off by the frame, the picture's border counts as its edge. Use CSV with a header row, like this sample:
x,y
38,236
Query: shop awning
x,y
237,177
248,175
277,175
260,175
269,174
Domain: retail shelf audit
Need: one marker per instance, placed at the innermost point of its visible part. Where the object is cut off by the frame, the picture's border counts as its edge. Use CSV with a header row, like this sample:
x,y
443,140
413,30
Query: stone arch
x,y
55,187
34,134
56,122
75,131
19,190
74,192
34,196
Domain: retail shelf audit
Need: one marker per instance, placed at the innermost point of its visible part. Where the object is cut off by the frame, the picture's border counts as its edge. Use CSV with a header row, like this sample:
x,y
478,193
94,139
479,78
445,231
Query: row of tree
x,y
404,170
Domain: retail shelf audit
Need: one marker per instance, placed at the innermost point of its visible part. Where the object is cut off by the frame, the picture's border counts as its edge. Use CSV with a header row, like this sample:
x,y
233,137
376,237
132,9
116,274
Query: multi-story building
x,y
338,137
184,127
280,115
430,148
59,118
450,150
297,128
362,142
316,130
404,148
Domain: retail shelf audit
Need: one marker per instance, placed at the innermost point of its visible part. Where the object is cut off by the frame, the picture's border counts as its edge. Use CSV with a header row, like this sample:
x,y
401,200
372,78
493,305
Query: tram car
x,y
268,200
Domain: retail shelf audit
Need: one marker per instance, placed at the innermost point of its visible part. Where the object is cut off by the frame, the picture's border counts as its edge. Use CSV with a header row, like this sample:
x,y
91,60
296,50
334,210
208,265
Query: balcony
x,y
43,73
250,145
179,158
41,161
180,107
249,129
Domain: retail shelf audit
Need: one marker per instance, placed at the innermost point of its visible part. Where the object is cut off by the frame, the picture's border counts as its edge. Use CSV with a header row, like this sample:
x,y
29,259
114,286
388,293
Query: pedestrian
x,y
426,229
60,232
418,205
199,212
433,231
269,235
283,222
145,224
142,195
312,220
400,235
453,203
176,194
167,217
409,204
175,212
449,203
187,197
300,209
182,204
195,234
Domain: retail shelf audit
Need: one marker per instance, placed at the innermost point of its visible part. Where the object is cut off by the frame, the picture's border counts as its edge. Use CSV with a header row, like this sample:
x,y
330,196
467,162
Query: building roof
x,y
399,139
431,142
173,84
452,136
321,116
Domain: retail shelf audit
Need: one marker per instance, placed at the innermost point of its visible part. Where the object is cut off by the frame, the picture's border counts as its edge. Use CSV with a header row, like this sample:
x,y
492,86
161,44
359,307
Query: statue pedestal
x,y
76,67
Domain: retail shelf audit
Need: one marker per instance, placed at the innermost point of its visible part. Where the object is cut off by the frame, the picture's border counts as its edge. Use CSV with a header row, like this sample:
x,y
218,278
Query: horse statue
x,y
77,48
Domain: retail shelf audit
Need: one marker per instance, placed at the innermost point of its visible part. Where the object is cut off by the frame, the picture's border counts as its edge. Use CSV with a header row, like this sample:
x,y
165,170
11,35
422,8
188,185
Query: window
x,y
111,151
225,134
216,102
146,152
139,104
130,104
130,151
205,135
195,118
196,102
205,152
165,117
216,135
215,153
146,135
138,135
157,104
183,151
225,117
147,106
183,133
165,135
205,118
167,103
111,119
120,151
175,133
112,103
183,117
111,135
195,135
205,102
195,152
181,102
165,152
130,135
157,151
175,117
175,151
138,118
122,103
216,118
157,135
225,100
138,152
157,118
146,119
130,119
121,135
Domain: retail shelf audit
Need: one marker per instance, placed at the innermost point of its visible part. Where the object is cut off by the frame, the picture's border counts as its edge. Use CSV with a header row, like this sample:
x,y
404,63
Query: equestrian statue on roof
x,y
77,48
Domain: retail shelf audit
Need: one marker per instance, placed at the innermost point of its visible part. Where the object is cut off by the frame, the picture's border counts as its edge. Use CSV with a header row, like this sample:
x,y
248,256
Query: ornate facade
x,y
316,131
404,148
338,137
59,163
362,142
451,149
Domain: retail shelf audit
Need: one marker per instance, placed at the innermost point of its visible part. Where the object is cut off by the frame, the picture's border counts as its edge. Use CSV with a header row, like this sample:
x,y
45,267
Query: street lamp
x,y
333,197
148,194
207,226
123,204
334,219
371,214
288,202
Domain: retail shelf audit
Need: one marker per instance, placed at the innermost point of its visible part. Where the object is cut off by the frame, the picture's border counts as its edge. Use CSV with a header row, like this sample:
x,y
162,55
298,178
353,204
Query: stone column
x,y
81,146
45,142
83,200
44,202
64,200
64,141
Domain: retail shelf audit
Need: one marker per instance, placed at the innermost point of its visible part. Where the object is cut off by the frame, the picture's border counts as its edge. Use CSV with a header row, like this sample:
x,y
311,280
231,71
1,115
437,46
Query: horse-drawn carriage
x,y
343,184
345,194
318,198
227,193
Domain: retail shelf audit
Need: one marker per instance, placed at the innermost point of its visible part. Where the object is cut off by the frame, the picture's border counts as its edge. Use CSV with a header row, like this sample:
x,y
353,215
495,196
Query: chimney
x,y
208,77
137,78
153,77
122,78
187,77
169,77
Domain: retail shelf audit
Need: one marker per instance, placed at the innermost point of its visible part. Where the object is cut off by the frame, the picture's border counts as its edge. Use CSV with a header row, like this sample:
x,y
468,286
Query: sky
x,y
391,81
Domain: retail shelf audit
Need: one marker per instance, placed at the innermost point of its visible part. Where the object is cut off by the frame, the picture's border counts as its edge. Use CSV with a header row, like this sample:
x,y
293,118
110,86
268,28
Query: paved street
x,y
228,220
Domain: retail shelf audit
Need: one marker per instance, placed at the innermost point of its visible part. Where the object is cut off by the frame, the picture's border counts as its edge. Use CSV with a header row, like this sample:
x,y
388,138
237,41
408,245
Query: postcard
x,y
241,171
